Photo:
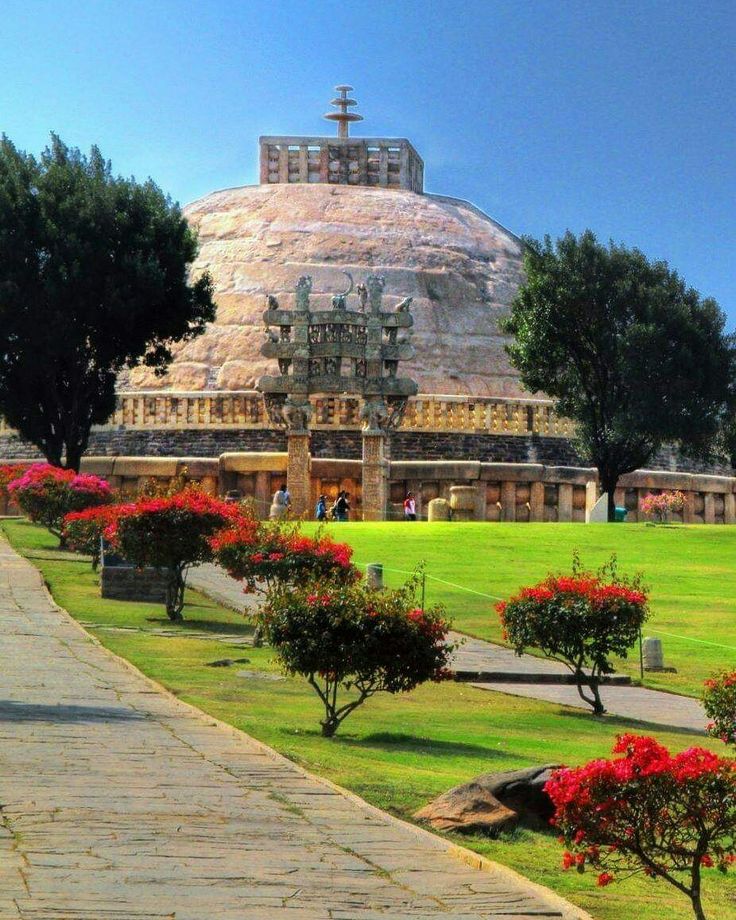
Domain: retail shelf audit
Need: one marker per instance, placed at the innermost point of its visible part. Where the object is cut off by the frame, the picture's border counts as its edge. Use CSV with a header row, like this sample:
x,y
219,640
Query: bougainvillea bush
x,y
82,530
667,816
351,642
580,619
661,507
46,494
263,555
8,473
170,533
719,702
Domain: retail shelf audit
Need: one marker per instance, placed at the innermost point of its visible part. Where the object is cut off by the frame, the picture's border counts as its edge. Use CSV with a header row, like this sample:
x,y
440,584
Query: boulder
x,y
493,802
522,791
468,809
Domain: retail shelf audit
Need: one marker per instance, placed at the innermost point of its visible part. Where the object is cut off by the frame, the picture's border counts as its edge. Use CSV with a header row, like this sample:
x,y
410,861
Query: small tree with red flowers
x,y
170,533
667,816
581,620
719,702
82,530
351,642
46,494
264,555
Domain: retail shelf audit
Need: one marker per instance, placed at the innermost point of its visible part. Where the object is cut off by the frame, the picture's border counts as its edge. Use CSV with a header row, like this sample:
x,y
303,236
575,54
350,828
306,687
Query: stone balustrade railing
x,y
244,409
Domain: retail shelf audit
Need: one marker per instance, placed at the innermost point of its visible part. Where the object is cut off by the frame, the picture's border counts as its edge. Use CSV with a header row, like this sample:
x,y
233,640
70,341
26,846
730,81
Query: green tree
x,y
631,354
94,277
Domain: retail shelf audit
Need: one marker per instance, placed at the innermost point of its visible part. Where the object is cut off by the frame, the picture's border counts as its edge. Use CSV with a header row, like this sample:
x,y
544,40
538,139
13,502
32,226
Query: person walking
x,y
321,509
410,507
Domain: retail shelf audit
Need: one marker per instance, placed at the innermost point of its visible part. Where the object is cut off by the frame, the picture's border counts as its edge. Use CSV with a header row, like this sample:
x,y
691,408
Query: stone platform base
x,y
127,583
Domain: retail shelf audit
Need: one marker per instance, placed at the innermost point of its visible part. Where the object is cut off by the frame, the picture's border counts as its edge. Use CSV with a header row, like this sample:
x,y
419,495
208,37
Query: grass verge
x,y
396,752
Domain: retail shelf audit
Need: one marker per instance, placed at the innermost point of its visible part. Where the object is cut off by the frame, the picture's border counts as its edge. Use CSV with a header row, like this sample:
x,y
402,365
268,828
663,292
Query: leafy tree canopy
x,y
94,277
630,353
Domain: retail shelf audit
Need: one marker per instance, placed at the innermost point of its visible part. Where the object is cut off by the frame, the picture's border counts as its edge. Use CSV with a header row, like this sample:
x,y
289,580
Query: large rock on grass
x,y
469,809
493,802
522,791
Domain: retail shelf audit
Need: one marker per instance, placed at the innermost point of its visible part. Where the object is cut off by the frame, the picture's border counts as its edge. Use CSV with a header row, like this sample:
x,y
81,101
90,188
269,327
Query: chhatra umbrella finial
x,y
343,117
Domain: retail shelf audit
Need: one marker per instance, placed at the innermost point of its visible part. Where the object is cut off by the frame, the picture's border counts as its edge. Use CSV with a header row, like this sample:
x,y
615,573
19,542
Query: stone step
x,y
529,677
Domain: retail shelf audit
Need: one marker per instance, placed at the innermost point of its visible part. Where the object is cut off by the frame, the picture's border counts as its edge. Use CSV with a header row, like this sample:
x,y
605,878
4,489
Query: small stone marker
x,y
438,510
653,655
374,576
598,514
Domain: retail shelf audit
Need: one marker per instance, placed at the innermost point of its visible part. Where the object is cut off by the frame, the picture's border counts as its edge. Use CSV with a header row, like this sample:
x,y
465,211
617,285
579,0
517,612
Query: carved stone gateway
x,y
336,352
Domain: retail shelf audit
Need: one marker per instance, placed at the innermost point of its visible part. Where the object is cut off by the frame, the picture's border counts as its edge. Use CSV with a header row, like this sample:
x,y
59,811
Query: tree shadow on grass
x,y
626,723
205,626
414,744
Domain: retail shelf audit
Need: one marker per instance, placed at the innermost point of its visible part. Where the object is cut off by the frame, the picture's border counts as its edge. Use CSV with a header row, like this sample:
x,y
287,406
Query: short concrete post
x,y
374,576
653,654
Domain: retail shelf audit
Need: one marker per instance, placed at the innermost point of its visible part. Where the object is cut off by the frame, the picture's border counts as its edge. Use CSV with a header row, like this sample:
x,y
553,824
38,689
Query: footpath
x,y
120,802
668,710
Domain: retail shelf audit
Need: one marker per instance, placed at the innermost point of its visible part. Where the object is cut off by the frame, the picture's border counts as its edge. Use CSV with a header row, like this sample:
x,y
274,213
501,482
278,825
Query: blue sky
x,y
607,114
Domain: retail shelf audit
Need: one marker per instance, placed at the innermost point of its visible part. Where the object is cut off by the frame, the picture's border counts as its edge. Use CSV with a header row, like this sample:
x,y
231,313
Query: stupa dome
x,y
326,206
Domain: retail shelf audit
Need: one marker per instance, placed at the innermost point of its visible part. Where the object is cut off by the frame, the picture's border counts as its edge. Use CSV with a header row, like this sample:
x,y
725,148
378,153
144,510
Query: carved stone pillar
x,y
298,472
297,412
375,475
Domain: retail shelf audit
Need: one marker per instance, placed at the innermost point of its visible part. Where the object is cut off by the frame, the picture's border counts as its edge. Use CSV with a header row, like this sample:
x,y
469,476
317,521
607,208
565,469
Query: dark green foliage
x,y
93,278
629,352
347,637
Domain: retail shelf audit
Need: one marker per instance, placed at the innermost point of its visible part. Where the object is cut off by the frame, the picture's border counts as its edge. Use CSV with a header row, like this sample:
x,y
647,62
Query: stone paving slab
x,y
119,802
654,706
664,709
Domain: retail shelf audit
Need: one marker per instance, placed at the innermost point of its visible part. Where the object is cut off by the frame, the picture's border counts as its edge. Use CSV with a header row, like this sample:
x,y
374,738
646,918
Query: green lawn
x,y
396,752
691,572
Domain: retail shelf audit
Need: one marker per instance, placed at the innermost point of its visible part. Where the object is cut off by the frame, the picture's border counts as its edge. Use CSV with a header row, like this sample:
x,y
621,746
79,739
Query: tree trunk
x,y
73,457
695,890
329,727
175,595
609,481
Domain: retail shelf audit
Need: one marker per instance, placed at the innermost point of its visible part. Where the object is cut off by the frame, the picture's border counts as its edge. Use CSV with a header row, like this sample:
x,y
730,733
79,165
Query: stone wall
x,y
329,442
504,491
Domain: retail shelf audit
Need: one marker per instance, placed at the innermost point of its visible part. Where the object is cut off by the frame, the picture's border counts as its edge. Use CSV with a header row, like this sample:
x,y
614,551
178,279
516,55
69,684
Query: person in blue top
x,y
321,509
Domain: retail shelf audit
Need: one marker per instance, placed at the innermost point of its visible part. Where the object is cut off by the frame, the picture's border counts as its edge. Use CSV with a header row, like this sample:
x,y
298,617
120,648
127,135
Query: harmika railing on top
x,y
244,409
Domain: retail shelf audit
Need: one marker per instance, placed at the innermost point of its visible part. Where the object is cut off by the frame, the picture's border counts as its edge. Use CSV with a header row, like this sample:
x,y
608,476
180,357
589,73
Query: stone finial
x,y
343,117
375,285
303,290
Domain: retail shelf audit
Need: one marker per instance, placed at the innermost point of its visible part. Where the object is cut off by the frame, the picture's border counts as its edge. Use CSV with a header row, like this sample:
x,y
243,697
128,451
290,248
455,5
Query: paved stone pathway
x,y
121,803
653,706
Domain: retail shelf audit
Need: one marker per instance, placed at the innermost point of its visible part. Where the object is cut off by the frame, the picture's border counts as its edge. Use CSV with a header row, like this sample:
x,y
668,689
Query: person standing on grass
x,y
342,506
282,499
410,507
321,510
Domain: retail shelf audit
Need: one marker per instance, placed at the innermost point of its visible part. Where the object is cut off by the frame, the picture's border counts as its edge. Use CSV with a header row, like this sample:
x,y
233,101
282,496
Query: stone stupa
x,y
329,205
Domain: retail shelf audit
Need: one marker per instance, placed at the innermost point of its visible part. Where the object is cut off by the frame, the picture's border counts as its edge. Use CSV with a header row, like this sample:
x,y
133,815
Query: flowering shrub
x,y
649,811
263,555
8,473
47,493
660,507
580,620
82,530
170,533
719,701
348,640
